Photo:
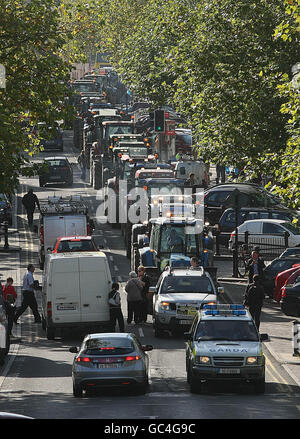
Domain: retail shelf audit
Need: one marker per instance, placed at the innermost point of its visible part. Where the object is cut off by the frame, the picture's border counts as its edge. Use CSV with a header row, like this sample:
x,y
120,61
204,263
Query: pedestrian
x,y
179,155
28,296
255,265
194,263
10,297
254,298
133,289
144,278
82,163
220,170
115,310
30,201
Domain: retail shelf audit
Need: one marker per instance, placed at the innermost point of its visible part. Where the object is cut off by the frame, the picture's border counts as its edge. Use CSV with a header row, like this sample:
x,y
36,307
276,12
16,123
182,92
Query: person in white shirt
x,y
28,296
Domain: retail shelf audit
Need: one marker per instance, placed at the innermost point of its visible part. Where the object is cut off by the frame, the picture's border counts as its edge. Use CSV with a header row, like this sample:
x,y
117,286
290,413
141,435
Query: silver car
x,y
110,360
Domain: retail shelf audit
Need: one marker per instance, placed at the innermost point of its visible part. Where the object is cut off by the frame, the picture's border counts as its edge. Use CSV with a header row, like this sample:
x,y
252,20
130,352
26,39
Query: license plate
x,y
66,307
229,371
185,322
108,366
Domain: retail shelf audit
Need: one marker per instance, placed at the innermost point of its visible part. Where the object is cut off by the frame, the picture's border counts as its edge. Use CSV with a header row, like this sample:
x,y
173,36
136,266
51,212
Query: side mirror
x,y
220,290
153,290
73,349
263,337
100,247
187,336
147,347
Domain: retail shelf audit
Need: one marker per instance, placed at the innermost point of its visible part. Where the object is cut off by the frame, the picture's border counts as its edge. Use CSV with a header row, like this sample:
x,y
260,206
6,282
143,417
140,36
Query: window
x,y
272,229
187,284
291,228
105,346
226,330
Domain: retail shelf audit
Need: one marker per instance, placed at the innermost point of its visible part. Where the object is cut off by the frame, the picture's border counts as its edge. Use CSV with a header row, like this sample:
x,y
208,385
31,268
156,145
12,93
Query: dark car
x,y
217,199
50,137
227,221
277,266
290,299
56,170
291,252
5,209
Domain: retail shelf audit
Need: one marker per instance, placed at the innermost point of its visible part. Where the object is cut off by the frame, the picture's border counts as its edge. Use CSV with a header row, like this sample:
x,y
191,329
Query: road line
x,y
141,332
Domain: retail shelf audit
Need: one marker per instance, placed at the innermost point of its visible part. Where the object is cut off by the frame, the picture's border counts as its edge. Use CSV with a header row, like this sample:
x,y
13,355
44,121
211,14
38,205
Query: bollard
x,y
296,339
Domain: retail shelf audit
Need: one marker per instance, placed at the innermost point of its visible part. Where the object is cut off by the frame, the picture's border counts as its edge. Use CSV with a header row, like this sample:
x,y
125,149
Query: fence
x,y
270,247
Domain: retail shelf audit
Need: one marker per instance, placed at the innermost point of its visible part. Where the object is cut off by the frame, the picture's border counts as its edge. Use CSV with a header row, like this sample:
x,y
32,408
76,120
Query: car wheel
x,y
77,391
50,333
259,386
42,183
195,385
44,323
2,356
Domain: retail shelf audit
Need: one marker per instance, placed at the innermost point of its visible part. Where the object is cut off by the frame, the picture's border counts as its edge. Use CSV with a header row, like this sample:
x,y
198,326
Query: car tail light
x,y
88,229
132,358
49,309
219,228
42,234
83,359
232,235
283,292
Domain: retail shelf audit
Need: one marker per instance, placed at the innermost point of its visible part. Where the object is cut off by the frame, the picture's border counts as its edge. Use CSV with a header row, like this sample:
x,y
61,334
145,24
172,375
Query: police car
x,y
224,344
178,295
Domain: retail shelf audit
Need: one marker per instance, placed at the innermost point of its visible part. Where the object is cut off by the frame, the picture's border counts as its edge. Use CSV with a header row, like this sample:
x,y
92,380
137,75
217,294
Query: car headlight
x,y
203,360
252,360
165,306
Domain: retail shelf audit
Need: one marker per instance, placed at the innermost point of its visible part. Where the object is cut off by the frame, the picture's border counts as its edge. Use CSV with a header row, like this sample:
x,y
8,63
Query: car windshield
x,y
291,228
117,129
56,163
187,284
76,245
175,240
85,88
160,188
230,330
109,346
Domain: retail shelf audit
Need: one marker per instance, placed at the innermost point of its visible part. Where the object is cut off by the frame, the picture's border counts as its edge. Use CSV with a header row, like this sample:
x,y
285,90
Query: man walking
x,y
134,289
29,201
254,298
28,296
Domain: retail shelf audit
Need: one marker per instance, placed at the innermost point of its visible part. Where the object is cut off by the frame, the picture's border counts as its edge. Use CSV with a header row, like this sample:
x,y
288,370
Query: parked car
x,y
252,195
65,244
56,170
5,209
293,251
283,278
268,234
227,221
277,266
290,299
110,360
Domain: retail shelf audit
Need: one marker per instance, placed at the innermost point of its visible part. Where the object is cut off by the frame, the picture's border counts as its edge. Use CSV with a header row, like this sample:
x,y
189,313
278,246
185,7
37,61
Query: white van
x,y
183,169
75,292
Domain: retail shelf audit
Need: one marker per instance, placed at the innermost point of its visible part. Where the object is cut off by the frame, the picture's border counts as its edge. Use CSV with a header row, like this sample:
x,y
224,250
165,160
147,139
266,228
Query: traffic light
x,y
159,121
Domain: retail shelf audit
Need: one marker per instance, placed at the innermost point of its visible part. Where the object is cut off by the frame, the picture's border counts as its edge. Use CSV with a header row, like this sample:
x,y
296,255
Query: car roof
x,y
245,187
66,238
58,157
109,335
261,209
247,317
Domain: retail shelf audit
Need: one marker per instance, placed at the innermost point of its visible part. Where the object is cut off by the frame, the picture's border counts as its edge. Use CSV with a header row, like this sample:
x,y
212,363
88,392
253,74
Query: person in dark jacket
x,y
30,201
254,298
115,311
134,289
255,266
144,278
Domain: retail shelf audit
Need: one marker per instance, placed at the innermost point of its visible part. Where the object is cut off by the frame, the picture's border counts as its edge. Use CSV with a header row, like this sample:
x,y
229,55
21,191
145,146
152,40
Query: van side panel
x,y
64,279
95,284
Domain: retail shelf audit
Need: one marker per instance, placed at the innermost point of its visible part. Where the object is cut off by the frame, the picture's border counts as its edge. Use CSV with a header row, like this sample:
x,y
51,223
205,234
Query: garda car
x,y
223,344
110,360
177,297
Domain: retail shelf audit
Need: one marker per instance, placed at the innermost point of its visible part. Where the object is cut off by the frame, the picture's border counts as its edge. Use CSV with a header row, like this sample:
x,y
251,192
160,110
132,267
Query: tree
x,y
36,77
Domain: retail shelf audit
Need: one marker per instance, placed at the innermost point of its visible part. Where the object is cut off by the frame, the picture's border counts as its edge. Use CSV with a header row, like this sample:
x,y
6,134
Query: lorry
x,y
61,217
75,293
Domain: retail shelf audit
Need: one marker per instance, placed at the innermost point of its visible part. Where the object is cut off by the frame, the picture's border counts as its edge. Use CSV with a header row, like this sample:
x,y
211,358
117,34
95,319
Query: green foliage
x,y
35,80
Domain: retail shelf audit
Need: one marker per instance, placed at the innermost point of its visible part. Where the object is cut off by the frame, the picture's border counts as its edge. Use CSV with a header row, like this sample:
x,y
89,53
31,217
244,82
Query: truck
x,y
171,241
61,217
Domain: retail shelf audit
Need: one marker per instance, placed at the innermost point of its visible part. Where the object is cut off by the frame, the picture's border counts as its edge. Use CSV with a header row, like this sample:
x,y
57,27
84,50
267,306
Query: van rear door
x,y
95,284
75,225
64,282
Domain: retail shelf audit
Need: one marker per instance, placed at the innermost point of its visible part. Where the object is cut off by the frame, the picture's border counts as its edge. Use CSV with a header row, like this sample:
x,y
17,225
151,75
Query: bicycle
x,y
244,254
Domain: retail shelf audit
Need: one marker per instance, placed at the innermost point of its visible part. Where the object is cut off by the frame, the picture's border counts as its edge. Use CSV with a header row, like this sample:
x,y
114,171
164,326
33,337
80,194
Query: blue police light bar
x,y
207,306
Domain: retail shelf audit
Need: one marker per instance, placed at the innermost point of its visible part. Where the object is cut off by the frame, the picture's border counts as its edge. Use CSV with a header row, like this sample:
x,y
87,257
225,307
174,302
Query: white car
x,y
267,233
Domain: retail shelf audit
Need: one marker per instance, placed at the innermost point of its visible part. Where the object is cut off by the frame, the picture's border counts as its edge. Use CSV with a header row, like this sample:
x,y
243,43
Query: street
x,y
36,378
